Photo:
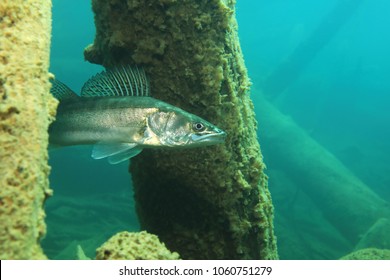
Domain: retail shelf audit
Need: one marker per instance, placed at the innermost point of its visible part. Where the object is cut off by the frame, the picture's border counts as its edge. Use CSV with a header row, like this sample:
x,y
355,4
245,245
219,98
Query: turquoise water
x,y
324,70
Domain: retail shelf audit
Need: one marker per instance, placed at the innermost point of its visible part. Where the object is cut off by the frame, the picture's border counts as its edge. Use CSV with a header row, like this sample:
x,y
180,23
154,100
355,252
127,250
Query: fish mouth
x,y
209,139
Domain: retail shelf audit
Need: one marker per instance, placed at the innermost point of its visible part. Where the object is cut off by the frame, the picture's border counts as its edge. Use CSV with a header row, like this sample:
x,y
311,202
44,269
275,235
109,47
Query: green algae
x,y
368,254
209,203
134,246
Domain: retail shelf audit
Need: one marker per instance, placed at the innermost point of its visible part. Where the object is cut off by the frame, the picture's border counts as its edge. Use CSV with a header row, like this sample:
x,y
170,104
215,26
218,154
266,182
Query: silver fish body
x,y
144,121
116,114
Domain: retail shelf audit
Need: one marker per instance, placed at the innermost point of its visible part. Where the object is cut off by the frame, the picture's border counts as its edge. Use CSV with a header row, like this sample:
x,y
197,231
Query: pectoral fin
x,y
114,159
115,152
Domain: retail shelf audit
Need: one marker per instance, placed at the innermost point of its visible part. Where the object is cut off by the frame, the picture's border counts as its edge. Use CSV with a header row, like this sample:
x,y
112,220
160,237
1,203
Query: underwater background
x,y
323,66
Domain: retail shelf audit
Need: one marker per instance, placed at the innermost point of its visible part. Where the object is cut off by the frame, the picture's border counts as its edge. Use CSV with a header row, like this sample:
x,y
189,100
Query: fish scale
x,y
116,114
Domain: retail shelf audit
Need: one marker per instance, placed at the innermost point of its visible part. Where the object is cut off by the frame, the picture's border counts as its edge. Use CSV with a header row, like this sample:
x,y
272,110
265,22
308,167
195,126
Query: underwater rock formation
x,y
206,203
134,246
345,201
26,108
368,254
377,236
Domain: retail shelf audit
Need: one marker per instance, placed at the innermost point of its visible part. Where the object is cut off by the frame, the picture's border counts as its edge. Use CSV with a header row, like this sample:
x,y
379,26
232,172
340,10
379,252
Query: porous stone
x,y
134,246
26,108
206,203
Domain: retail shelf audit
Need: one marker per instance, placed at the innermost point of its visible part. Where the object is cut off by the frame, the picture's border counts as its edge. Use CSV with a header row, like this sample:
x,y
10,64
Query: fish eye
x,y
198,127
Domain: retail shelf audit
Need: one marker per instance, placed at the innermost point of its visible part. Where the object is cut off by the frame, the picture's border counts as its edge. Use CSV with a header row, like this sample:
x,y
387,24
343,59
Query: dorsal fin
x,y
118,81
61,91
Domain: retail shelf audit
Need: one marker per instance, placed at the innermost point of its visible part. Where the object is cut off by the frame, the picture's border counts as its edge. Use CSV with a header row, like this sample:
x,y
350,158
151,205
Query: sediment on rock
x,y
206,203
26,107
134,246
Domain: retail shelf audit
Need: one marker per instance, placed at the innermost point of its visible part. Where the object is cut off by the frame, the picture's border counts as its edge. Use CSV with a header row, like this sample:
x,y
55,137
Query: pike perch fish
x,y
117,115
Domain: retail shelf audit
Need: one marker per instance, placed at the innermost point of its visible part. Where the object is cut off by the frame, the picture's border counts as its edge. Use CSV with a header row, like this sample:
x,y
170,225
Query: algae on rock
x,y
134,246
206,203
368,254
26,108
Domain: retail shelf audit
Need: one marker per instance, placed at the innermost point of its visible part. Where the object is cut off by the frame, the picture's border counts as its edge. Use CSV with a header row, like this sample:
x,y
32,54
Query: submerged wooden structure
x,y
209,203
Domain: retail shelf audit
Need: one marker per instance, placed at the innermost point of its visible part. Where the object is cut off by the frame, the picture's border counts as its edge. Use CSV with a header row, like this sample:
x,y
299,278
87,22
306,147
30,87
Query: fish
x,y
117,115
